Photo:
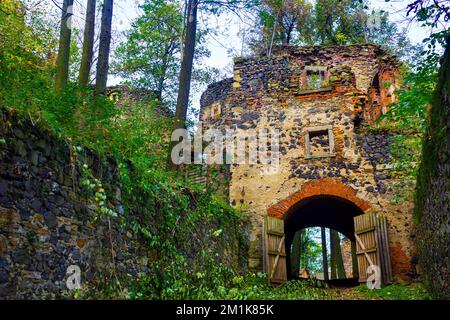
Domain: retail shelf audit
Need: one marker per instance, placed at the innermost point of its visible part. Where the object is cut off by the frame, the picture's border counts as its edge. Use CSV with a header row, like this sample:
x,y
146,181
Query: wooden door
x,y
274,250
372,247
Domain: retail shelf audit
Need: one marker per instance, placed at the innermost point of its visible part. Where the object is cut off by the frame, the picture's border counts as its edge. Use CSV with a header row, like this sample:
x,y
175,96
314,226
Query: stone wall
x,y
433,190
346,249
129,97
272,93
216,91
48,222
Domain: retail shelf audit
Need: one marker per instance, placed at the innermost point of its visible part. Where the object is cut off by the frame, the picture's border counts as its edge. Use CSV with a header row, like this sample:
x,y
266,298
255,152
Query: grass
x,y
412,291
255,286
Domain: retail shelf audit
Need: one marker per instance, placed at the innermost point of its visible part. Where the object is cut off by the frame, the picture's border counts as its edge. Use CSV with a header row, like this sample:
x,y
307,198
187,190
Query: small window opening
x,y
319,142
315,79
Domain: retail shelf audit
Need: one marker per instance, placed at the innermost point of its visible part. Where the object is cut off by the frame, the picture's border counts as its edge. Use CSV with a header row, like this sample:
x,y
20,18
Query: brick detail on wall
x,y
325,186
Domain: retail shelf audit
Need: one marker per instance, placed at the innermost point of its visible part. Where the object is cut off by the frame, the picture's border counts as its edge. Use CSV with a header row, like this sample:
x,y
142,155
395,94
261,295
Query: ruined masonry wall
x,y
47,222
267,93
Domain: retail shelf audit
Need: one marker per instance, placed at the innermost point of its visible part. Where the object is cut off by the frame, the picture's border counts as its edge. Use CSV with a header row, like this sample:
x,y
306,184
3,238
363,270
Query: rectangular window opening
x,y
315,79
319,142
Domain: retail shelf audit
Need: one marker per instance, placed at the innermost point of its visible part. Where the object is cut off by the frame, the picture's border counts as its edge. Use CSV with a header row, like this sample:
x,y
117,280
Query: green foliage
x,y
285,22
197,243
431,13
396,292
340,22
311,252
407,117
429,210
23,69
150,56
75,56
328,22
429,207
406,151
230,286
409,112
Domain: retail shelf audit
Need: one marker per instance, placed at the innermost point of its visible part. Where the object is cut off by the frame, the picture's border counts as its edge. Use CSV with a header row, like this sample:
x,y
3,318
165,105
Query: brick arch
x,y
325,187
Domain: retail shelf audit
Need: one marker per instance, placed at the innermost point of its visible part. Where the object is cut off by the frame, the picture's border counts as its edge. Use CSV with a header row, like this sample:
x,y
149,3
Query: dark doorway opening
x,y
330,212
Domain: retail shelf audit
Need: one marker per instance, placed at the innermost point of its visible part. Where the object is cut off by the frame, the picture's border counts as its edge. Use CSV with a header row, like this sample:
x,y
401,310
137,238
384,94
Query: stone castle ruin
x,y
332,166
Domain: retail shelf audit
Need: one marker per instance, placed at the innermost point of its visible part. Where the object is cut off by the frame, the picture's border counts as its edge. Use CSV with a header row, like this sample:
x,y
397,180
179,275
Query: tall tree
x,y
295,253
188,46
149,57
286,21
332,256
337,263
323,235
340,21
62,63
88,43
104,47
186,63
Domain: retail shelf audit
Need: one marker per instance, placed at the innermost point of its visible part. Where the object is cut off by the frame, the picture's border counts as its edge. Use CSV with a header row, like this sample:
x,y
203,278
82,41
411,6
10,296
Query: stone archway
x,y
320,187
325,203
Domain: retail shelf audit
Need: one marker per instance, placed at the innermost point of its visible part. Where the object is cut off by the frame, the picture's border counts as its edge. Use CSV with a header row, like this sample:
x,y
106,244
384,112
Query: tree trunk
x,y
62,63
324,253
303,249
187,54
355,272
295,253
104,46
88,44
186,64
332,255
339,262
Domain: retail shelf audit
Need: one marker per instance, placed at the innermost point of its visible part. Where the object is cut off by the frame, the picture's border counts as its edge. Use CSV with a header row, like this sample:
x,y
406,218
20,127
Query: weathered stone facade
x,y
322,99
48,222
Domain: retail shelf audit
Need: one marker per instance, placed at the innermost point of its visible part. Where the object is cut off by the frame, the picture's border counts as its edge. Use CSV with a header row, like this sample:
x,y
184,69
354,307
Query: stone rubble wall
x,y
47,221
346,249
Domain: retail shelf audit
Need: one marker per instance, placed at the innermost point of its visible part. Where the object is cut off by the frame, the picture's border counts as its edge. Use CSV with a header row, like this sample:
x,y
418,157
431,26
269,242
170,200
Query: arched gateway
x,y
333,171
319,203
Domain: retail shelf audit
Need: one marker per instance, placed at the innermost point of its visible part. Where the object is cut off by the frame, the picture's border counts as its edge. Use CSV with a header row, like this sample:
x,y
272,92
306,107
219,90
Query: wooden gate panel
x,y
383,252
372,247
274,250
